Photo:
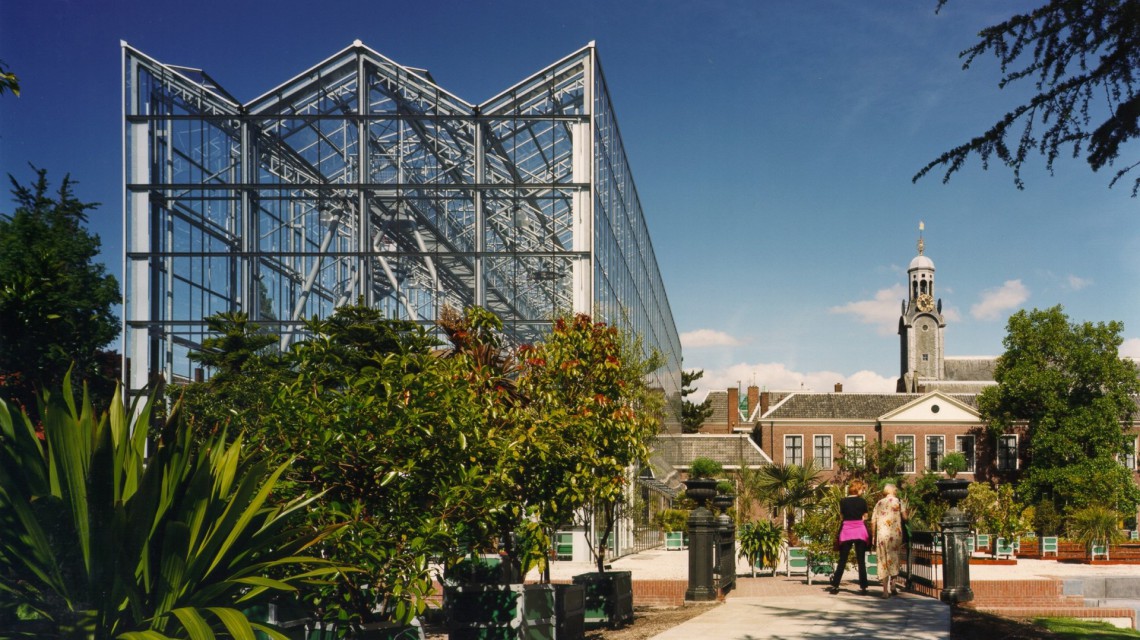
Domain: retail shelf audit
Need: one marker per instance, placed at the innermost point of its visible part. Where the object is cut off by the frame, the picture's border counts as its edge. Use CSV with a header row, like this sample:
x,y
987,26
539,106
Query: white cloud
x,y
1076,283
707,338
1131,349
995,302
951,314
882,311
778,377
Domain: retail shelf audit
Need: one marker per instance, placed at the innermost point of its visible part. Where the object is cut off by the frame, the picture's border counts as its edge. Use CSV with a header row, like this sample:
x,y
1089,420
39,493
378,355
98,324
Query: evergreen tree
x,y
1082,56
693,415
55,302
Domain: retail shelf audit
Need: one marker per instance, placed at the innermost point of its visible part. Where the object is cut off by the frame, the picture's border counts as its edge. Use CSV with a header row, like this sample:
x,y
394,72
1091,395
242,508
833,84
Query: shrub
x,y
953,463
100,538
672,519
1095,525
704,468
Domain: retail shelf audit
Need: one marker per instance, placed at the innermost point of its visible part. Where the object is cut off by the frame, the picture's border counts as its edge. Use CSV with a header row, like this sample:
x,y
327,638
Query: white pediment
x,y
933,407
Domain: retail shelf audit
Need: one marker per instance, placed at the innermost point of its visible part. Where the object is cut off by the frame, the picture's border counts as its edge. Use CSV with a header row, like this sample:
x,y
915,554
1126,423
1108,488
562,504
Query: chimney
x,y
838,387
753,399
765,400
733,408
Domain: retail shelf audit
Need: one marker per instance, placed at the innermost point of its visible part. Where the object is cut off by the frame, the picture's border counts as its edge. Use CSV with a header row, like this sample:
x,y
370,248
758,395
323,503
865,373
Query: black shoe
x,y
833,589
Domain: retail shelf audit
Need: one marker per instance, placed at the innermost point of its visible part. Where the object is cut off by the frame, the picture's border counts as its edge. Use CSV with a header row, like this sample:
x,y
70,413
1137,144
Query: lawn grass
x,y
1075,628
969,624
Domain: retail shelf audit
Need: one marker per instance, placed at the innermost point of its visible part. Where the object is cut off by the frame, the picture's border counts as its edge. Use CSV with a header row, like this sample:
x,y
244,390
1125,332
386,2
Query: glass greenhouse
x,y
362,179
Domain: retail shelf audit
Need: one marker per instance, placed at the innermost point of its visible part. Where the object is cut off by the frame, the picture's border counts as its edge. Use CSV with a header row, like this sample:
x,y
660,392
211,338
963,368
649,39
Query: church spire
x,y
921,244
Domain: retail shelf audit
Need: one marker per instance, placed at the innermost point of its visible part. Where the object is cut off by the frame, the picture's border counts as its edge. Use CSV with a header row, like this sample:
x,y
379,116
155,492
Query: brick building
x,y
933,411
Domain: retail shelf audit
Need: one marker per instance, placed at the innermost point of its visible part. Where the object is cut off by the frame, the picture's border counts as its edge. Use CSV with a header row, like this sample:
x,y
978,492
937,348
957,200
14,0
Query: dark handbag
x,y
905,531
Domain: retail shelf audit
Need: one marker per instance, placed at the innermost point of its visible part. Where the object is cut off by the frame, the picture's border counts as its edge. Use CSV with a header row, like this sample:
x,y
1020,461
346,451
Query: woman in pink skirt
x,y
852,533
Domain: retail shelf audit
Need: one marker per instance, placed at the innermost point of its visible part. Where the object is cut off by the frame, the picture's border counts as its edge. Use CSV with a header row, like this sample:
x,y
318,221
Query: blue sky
x,y
772,144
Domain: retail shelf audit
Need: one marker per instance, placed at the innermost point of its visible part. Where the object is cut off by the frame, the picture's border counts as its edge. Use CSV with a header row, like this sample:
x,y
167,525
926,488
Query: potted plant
x,y
701,484
760,543
725,496
1095,526
953,463
952,488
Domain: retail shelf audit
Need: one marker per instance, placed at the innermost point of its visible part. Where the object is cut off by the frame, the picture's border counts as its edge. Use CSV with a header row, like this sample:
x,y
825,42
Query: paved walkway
x,y
846,615
780,607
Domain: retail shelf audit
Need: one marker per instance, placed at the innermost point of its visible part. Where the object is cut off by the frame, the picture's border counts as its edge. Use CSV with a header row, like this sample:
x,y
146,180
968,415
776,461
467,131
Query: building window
x,y
794,450
966,447
935,449
823,452
1129,459
926,357
906,461
855,451
1007,453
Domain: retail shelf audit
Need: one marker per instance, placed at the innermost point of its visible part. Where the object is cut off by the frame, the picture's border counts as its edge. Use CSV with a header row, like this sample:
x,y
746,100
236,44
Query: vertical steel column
x,y
583,137
244,225
137,306
362,176
480,219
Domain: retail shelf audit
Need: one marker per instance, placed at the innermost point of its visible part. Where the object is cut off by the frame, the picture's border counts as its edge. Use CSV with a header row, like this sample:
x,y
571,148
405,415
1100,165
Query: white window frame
x,y
856,443
941,452
1129,459
971,454
1016,458
801,447
823,463
908,468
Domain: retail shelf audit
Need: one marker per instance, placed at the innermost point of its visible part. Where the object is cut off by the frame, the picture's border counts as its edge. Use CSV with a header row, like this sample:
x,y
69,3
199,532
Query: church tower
x,y
921,327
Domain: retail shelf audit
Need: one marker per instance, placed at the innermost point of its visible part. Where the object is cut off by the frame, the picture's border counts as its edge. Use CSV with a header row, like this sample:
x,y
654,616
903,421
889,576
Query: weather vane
x,y
921,244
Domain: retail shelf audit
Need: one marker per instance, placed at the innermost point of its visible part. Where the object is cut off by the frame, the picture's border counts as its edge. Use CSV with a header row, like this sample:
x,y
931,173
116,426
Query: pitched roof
x,y
719,405
847,406
731,450
973,368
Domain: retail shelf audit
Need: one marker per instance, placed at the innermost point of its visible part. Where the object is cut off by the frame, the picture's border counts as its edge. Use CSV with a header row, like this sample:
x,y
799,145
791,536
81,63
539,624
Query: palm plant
x,y
1095,525
103,542
786,488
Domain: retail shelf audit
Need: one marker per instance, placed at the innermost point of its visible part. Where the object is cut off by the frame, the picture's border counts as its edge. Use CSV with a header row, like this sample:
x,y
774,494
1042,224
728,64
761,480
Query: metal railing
x,y
923,559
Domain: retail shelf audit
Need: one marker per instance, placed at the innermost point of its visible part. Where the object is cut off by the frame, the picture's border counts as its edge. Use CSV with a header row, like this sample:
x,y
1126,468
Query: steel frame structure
x,y
362,179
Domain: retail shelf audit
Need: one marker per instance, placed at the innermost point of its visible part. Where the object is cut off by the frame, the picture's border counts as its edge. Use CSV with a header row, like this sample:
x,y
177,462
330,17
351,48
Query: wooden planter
x,y
609,598
499,611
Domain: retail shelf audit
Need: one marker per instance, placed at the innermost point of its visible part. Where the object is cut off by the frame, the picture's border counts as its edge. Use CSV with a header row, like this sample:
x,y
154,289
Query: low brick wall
x,y
1037,599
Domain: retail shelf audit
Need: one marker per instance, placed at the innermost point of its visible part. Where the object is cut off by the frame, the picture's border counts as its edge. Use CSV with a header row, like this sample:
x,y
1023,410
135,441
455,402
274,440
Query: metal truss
x,y
362,180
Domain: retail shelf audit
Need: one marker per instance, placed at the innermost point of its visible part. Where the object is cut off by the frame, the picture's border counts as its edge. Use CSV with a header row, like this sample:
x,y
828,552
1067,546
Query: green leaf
x,y
235,622
194,624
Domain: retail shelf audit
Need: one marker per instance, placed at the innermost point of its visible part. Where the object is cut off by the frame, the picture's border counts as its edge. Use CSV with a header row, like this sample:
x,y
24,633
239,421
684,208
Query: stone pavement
x,y
780,607
846,615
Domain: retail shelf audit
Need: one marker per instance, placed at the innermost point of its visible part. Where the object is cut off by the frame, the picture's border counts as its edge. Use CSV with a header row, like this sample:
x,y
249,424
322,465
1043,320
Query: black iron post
x,y
955,552
702,541
726,549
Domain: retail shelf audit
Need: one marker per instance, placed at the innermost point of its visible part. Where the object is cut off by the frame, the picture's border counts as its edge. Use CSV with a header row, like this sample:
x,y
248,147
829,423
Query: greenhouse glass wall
x,y
361,179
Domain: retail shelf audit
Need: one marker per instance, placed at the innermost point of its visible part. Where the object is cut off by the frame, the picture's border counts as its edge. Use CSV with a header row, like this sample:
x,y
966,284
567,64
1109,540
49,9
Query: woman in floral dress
x,y
887,526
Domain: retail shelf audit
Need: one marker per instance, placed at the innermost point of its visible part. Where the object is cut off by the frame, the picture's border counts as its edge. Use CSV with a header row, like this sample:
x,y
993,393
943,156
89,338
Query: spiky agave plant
x,y
100,541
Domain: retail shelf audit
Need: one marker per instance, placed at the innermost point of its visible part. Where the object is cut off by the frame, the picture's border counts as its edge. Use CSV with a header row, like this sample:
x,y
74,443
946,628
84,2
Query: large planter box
x,y
499,612
570,611
609,598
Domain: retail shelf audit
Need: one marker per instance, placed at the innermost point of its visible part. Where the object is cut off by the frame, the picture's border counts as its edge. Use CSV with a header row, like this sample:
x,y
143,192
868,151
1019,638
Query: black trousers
x,y
860,557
